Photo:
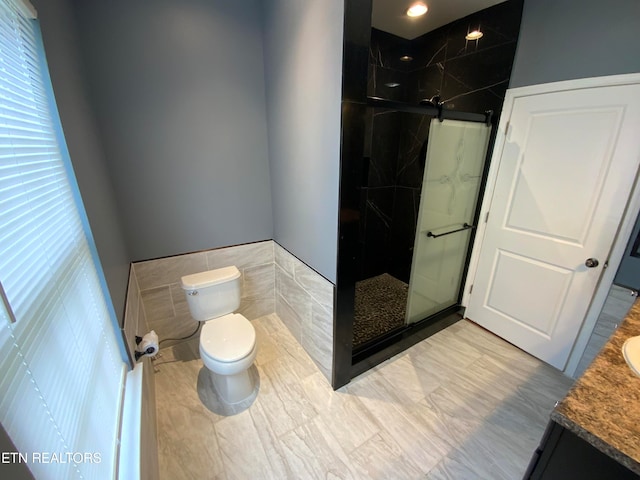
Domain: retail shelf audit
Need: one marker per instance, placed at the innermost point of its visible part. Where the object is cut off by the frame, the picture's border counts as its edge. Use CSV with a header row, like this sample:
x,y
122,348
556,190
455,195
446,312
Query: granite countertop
x,y
603,406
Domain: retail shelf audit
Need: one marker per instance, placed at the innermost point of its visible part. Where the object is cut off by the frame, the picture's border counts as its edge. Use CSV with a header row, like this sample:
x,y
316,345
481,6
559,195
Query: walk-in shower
x,y
416,137
420,182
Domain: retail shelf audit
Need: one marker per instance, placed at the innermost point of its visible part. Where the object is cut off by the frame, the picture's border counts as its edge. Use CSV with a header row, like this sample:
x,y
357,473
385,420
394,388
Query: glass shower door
x,y
455,157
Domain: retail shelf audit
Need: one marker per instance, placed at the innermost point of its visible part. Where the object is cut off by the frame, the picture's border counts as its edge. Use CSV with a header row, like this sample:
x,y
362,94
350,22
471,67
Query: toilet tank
x,y
212,293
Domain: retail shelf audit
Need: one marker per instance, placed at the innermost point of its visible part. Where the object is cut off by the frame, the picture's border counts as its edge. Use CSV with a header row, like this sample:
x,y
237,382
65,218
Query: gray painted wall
x,y
569,39
83,142
303,74
178,87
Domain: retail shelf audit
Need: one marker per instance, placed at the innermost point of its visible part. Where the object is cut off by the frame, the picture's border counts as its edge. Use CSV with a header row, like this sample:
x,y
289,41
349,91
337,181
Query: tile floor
x,y
460,405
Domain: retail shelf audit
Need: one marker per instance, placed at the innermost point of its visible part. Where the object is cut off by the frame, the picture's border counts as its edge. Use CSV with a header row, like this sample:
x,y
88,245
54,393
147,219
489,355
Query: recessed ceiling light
x,y
406,58
417,9
475,35
392,84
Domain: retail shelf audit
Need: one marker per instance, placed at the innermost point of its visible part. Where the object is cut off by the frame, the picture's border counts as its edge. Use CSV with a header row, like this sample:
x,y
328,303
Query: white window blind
x,y
61,372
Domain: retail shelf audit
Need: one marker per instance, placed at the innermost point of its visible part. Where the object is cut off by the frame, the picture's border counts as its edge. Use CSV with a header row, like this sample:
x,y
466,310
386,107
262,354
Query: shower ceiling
x,y
391,15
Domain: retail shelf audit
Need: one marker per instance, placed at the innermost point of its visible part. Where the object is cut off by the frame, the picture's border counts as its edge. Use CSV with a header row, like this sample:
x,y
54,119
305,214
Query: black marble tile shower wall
x,y
391,177
470,76
467,75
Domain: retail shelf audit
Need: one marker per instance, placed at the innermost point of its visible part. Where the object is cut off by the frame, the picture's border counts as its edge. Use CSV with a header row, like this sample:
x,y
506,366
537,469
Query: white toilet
x,y
227,340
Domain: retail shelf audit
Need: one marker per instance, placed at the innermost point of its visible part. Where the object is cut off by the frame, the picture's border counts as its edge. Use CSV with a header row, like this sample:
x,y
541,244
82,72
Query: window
x,y
62,370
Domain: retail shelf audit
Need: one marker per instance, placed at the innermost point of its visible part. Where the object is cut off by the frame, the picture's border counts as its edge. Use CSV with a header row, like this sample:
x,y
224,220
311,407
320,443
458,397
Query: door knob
x,y
591,263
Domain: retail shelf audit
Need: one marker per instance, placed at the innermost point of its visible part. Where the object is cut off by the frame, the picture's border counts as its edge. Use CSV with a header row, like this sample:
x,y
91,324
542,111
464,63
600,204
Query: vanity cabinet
x,y
564,455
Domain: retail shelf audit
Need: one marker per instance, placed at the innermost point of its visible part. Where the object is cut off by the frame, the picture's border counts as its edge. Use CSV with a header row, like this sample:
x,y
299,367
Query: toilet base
x,y
235,388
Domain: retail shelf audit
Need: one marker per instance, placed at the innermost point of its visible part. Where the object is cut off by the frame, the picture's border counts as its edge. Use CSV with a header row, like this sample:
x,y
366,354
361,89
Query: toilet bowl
x,y
228,349
227,340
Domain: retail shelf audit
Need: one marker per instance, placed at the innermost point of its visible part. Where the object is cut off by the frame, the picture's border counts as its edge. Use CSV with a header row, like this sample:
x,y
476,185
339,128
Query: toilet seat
x,y
227,339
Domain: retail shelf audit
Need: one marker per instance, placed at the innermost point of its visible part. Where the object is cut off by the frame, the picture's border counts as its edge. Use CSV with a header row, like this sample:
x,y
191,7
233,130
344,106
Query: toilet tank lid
x,y
209,278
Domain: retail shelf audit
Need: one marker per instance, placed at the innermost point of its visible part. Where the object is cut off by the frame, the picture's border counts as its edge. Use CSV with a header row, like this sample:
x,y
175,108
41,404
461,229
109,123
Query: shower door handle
x,y
465,226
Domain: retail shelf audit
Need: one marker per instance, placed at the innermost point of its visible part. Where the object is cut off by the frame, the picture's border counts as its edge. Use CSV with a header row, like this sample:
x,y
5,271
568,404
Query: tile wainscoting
x,y
135,323
273,281
166,305
304,303
135,320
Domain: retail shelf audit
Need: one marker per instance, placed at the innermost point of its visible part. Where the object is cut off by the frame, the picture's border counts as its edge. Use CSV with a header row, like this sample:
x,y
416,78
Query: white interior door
x,y
565,173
